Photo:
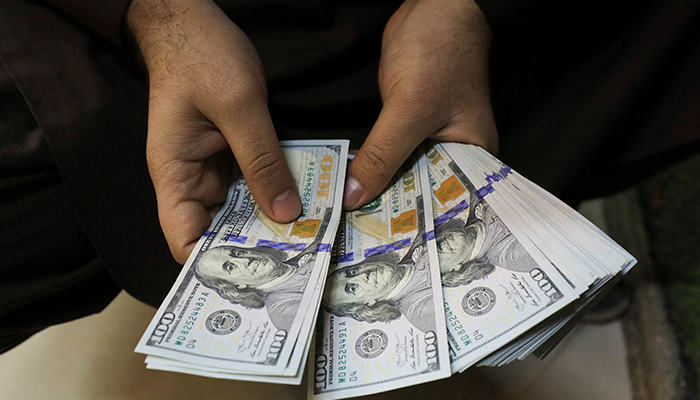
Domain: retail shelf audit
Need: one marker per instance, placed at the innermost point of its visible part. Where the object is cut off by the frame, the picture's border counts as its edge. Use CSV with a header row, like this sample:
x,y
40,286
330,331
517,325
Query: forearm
x,y
156,25
172,34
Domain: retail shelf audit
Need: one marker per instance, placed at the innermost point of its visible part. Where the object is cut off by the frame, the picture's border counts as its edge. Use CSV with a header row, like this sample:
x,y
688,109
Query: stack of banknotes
x,y
460,262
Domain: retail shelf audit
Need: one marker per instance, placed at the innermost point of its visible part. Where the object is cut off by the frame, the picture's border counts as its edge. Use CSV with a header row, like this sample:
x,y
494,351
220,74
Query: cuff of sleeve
x,y
104,17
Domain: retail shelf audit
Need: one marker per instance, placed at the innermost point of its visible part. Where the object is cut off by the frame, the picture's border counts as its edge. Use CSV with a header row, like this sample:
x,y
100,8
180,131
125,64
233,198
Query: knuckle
x,y
224,102
240,95
180,251
154,162
230,92
157,166
415,105
375,161
152,156
265,166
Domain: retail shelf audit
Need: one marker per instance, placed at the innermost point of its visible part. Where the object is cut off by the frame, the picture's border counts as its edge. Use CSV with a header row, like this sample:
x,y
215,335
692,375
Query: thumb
x,y
252,138
397,132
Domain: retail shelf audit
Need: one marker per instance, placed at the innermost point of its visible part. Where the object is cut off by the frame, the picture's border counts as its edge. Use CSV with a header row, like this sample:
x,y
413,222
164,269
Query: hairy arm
x,y
208,118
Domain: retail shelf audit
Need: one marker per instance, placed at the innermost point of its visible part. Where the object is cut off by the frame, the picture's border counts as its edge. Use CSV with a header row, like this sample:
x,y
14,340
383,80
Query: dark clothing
x,y
581,98
602,93
44,247
78,209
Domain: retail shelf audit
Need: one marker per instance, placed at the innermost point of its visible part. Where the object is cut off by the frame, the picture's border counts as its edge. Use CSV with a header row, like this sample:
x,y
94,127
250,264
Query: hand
x,y
207,113
433,79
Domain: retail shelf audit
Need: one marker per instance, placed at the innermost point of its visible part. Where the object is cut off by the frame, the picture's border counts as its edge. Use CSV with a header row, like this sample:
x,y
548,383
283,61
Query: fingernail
x,y
286,206
353,192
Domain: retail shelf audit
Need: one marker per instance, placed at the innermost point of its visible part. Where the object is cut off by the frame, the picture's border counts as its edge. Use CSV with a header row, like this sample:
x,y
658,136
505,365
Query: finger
x,y
183,212
248,128
186,183
183,224
397,132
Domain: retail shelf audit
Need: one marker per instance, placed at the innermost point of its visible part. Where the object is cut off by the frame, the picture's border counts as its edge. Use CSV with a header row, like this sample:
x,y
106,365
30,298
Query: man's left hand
x,y
433,79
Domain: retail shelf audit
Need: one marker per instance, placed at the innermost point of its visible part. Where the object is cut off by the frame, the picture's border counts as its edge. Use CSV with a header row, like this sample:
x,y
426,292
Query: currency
x,y
382,326
245,299
494,288
579,251
531,256
460,262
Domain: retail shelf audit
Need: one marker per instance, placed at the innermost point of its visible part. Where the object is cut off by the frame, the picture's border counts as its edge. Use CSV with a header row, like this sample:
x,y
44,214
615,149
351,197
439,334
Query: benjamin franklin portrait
x,y
258,277
472,250
382,288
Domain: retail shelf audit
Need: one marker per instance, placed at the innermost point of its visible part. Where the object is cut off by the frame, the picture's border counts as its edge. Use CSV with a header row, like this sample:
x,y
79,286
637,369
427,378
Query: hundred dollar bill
x,y
381,325
244,297
589,259
495,285
292,375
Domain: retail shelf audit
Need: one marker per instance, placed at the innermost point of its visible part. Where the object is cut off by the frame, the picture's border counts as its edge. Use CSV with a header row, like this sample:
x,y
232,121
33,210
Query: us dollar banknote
x,y
242,301
494,287
381,325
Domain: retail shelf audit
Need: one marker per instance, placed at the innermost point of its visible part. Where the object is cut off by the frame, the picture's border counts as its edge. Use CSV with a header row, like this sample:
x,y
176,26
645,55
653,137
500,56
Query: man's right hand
x,y
207,113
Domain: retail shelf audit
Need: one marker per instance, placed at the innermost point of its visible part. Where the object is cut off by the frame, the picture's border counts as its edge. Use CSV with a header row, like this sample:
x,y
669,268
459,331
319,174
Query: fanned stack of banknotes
x,y
460,262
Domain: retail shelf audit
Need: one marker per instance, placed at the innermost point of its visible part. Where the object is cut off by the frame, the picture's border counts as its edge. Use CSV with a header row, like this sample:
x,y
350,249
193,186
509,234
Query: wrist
x,y
157,27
